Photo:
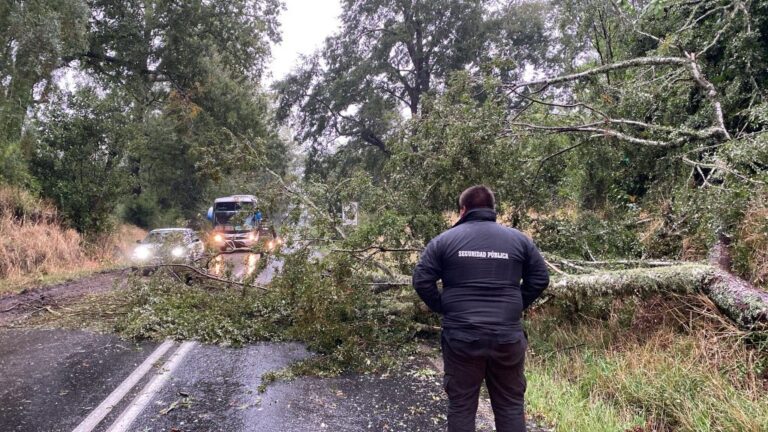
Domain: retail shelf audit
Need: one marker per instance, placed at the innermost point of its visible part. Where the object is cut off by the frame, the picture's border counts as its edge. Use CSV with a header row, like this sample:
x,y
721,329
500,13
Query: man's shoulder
x,y
514,231
473,228
436,239
489,225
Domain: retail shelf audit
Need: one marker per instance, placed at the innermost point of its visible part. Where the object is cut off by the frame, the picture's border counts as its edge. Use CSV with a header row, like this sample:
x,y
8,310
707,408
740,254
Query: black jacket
x,y
481,264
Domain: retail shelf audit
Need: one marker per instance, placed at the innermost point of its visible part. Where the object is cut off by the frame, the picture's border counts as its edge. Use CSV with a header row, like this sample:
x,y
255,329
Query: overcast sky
x,y
305,24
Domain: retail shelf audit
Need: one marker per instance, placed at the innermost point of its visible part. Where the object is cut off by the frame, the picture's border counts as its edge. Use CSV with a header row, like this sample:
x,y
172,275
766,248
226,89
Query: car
x,y
168,246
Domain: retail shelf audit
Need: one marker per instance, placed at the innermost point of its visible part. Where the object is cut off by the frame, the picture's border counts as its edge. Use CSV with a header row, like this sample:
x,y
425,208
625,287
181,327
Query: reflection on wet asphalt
x,y
241,265
214,386
403,401
221,385
51,379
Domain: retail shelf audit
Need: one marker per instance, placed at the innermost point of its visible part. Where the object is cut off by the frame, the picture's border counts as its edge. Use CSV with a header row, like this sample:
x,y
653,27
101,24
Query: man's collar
x,y
478,214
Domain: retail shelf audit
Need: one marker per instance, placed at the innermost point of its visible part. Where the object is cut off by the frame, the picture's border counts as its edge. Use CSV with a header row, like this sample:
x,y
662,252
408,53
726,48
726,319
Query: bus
x,y
238,222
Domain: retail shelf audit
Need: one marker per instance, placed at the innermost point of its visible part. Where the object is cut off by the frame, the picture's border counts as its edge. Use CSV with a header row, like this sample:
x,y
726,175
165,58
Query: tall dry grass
x,y
31,238
37,247
34,242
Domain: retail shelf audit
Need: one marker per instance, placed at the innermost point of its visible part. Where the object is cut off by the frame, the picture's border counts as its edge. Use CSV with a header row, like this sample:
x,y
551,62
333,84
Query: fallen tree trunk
x,y
738,299
675,279
746,305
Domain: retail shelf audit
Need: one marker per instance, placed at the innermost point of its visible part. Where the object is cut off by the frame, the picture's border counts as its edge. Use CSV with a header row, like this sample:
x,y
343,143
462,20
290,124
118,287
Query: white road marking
x,y
101,411
140,402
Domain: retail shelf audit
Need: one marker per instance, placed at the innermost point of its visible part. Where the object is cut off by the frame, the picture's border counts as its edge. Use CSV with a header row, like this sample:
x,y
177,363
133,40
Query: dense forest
x,y
135,110
626,137
607,128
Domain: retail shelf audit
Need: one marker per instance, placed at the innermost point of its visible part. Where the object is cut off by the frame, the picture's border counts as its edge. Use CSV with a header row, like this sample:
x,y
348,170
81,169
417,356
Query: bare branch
x,y
601,131
323,214
633,23
378,249
206,275
640,61
711,93
306,201
720,165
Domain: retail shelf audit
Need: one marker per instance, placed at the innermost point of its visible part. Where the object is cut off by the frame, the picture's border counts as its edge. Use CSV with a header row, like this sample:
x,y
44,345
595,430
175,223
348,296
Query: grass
x,y
558,401
671,365
752,246
41,247
36,249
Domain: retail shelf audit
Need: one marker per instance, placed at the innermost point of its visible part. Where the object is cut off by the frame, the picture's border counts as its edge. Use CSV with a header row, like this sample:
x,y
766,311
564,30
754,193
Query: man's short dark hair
x,y
477,197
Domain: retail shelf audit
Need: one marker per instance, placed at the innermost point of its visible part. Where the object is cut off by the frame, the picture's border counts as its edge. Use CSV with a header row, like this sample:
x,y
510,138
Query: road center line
x,y
101,411
140,402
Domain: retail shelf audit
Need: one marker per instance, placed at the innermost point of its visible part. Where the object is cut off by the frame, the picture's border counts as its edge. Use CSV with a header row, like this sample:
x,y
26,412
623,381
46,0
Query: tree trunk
x,y
746,305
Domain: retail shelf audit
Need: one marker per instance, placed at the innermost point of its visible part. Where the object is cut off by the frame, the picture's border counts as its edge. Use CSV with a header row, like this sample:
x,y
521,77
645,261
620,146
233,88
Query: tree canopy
x,y
388,56
184,77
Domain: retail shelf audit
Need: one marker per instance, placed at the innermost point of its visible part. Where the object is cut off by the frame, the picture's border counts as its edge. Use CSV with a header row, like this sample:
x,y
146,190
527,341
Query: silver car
x,y
168,246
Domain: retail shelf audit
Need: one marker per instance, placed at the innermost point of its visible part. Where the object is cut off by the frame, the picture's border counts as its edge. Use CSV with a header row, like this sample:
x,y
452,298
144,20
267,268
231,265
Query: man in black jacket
x,y
482,264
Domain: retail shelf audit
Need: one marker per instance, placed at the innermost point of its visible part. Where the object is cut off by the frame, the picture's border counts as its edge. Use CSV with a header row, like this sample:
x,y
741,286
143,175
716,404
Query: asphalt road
x,y
71,380
52,380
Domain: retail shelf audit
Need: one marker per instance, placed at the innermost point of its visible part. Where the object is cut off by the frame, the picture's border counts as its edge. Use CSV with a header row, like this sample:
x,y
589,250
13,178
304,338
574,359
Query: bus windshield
x,y
233,213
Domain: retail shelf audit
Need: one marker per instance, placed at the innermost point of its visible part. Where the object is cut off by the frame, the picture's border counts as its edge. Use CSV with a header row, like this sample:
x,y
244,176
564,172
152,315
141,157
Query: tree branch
x,y
591,128
710,92
640,61
206,275
378,249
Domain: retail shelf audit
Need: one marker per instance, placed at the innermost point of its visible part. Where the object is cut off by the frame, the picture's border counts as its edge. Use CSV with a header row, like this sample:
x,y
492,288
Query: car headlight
x,y
178,251
218,238
142,253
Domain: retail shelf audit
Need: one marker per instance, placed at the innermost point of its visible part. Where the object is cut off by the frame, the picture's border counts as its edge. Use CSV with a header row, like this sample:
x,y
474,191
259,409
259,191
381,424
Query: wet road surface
x,y
241,265
51,380
57,380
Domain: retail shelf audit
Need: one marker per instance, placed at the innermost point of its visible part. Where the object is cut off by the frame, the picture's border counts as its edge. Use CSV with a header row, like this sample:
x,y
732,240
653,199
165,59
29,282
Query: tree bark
x,y
744,304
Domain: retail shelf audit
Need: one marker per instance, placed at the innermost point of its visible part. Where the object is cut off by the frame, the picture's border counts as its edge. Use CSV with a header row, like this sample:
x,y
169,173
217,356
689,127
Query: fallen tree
x,y
741,302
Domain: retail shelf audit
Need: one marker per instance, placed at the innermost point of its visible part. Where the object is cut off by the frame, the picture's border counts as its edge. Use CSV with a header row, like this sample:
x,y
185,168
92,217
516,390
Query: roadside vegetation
x,y
663,363
36,248
666,363
638,142
337,318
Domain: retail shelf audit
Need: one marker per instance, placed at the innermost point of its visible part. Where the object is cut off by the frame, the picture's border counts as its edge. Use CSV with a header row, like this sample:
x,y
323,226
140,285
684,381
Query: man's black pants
x,y
467,361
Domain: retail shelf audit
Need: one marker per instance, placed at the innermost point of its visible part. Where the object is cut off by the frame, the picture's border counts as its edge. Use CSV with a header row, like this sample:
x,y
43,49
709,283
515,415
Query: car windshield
x,y
161,237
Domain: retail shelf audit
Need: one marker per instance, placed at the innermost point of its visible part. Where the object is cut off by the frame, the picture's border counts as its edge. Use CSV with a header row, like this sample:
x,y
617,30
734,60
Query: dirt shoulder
x,y
14,307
